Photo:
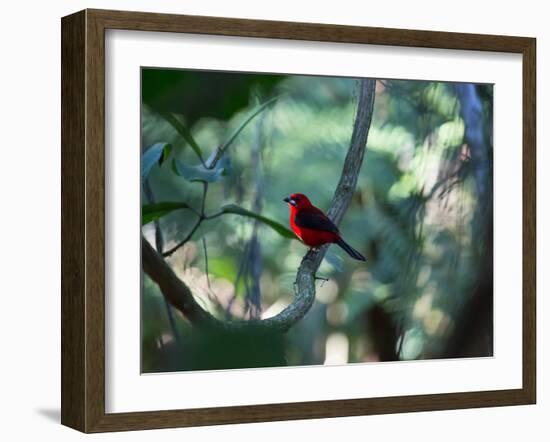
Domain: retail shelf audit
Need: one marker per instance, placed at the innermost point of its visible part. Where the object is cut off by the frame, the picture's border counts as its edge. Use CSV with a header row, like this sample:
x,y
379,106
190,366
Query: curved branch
x,y
180,295
173,289
305,279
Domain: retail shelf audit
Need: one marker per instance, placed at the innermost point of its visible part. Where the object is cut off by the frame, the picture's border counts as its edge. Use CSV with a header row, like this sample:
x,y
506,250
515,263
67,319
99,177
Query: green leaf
x,y
156,154
152,212
165,154
184,131
236,133
198,173
278,227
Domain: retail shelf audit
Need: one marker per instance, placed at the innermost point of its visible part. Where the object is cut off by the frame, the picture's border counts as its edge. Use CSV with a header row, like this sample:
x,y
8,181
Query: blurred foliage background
x,y
421,215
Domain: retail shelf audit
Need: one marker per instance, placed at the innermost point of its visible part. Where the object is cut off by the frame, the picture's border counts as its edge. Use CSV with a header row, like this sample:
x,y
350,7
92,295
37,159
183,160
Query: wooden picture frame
x,y
83,219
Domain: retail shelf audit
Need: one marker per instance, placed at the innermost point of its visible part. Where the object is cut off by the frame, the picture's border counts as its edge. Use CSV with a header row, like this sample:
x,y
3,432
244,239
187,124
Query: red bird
x,y
313,227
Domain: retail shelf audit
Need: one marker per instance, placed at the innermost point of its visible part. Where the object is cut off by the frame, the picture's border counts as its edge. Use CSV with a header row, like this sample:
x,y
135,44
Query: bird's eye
x,y
297,198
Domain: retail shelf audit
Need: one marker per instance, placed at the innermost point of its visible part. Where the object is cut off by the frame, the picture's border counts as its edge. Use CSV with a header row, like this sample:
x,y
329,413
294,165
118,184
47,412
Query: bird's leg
x,y
315,277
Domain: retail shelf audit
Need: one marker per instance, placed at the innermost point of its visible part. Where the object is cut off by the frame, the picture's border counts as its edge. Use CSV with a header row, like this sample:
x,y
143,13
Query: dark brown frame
x,y
83,216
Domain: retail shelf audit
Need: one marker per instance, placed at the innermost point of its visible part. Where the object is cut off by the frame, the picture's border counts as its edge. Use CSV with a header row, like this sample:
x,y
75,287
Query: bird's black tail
x,y
350,250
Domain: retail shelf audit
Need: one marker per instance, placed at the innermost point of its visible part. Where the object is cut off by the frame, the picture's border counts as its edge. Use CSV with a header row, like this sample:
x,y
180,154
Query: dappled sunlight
x,y
275,308
337,314
327,292
337,349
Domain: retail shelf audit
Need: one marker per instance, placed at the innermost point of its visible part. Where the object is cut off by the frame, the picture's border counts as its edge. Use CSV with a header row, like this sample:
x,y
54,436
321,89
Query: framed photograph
x,y
270,220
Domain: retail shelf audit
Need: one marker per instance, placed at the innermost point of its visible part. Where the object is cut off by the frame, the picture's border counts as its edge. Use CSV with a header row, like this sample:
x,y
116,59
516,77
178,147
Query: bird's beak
x,y
290,201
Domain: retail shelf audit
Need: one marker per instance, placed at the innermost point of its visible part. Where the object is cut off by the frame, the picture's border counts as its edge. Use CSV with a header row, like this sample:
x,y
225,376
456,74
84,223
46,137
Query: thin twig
x,y
218,153
200,219
242,268
192,232
184,240
192,209
205,260
204,192
215,215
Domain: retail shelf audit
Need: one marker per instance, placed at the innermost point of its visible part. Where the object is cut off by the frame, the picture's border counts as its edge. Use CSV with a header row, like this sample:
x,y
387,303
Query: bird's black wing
x,y
314,219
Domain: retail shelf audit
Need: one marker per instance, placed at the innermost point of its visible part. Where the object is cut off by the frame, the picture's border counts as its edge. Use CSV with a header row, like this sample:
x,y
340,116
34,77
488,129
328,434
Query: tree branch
x,y
305,279
173,289
180,295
